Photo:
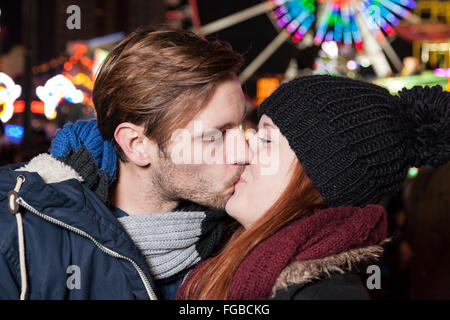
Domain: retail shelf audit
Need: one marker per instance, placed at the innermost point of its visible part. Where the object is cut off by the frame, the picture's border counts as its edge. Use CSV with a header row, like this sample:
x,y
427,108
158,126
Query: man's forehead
x,y
220,120
225,108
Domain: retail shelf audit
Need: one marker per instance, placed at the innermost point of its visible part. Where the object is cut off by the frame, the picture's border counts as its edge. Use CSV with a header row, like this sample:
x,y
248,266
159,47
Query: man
x,y
81,225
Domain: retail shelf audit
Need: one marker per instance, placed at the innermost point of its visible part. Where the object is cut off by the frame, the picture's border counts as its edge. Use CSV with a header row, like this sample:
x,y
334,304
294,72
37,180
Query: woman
x,y
307,229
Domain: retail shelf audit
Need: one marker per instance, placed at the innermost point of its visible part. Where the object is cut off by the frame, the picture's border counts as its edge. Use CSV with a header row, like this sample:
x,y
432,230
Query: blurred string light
x,y
413,172
265,87
336,18
442,72
352,65
54,91
9,92
14,132
81,79
365,62
36,106
81,70
330,48
46,66
80,49
426,78
57,88
62,86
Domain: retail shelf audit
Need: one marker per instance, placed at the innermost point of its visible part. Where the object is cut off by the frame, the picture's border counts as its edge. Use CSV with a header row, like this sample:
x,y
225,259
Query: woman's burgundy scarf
x,y
324,233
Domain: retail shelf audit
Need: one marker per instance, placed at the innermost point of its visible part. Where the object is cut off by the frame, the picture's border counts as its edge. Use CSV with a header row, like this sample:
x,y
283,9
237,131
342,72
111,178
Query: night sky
x,y
11,24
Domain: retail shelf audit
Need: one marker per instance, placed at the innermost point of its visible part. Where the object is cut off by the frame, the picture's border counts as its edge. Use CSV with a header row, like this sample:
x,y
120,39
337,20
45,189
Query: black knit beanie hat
x,y
354,139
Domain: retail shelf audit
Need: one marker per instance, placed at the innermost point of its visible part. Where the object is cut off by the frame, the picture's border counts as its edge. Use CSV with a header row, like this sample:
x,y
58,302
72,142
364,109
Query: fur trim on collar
x,y
50,169
302,272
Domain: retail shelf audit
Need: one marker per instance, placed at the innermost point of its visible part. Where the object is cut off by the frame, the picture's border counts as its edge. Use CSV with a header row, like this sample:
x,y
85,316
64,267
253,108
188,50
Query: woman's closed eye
x,y
263,140
264,136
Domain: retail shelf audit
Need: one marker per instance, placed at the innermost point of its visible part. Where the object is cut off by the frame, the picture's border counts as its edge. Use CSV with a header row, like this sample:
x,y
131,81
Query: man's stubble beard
x,y
180,182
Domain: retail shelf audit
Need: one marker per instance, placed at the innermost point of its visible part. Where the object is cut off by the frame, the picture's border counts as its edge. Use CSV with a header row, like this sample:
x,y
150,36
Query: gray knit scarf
x,y
175,241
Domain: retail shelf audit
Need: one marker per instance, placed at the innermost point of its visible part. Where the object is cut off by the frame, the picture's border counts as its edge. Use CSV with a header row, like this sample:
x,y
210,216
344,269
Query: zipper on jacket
x,y
146,282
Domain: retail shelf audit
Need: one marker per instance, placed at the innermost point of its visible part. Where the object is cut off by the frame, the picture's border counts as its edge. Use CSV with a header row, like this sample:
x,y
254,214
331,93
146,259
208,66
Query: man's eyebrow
x,y
224,126
213,131
228,124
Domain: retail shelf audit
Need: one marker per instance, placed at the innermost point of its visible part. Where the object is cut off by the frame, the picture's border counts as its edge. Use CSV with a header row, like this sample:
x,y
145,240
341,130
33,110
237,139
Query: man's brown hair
x,y
160,79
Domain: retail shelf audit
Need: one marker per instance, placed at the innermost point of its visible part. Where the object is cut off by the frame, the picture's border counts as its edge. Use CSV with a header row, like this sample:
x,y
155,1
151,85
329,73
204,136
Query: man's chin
x,y
220,200
215,205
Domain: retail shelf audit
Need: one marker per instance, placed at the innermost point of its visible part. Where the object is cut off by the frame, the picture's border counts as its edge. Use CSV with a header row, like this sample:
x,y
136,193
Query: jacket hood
x,y
304,272
50,169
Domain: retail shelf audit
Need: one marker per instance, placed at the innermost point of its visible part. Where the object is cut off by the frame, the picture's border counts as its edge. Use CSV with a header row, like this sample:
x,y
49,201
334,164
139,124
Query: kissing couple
x,y
111,212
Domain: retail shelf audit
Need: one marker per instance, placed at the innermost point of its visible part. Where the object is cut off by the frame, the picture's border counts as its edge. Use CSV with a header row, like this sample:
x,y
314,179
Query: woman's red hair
x,y
211,281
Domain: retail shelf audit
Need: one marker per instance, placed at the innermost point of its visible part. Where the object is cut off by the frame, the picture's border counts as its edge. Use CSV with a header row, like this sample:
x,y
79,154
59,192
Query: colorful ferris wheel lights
x,y
283,20
280,11
291,27
337,19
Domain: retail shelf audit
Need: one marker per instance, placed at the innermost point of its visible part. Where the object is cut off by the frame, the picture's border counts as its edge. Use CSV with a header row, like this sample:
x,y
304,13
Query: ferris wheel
x,y
365,24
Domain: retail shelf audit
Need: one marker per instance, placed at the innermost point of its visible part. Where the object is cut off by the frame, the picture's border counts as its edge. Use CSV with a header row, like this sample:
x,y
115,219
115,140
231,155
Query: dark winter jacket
x,y
68,232
335,277
73,246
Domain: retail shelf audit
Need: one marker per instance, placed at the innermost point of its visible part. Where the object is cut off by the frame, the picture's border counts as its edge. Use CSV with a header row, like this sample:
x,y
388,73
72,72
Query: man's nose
x,y
236,148
243,157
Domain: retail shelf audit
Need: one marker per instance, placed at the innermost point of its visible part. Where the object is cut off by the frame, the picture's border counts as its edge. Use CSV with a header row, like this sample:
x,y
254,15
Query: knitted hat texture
x,y
354,139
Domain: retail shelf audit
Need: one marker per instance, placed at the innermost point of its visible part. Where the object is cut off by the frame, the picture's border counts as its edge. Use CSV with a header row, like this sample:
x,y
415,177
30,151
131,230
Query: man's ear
x,y
136,146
